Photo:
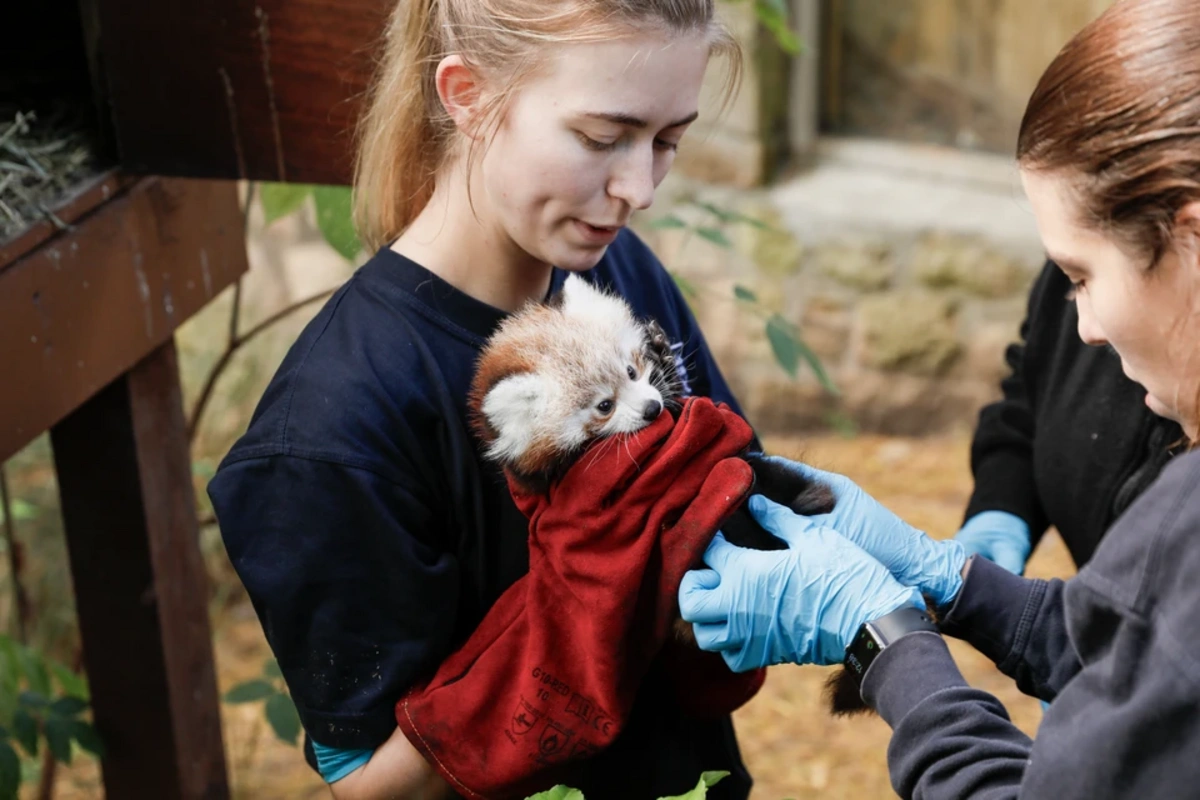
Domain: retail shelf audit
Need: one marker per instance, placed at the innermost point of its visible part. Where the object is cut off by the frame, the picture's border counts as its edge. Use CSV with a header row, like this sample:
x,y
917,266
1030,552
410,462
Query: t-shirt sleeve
x,y
355,601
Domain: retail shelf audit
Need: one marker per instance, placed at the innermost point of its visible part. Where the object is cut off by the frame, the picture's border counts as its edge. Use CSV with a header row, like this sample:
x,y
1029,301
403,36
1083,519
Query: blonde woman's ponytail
x,y
403,131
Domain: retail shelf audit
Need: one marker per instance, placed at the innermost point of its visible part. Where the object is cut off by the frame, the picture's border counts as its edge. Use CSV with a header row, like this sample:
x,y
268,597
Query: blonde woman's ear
x,y
458,88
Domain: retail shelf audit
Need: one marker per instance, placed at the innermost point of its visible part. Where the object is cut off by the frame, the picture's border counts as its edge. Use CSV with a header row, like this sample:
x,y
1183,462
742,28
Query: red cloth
x,y
702,683
550,674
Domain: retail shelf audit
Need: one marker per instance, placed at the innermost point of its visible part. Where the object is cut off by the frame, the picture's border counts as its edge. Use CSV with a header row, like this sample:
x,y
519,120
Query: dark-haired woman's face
x,y
1150,316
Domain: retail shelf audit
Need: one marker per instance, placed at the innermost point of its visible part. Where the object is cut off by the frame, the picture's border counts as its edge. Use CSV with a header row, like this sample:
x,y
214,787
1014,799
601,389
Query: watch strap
x,y
875,635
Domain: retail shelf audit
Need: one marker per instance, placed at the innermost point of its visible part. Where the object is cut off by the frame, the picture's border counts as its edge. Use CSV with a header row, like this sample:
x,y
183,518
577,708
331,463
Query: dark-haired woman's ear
x,y
1187,232
458,88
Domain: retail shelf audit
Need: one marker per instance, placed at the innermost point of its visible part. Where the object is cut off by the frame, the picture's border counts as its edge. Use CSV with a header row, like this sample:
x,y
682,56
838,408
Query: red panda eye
x,y
632,373
604,406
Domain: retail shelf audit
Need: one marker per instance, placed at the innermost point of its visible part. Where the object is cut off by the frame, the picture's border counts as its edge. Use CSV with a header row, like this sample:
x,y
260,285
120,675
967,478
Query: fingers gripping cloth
x,y
550,675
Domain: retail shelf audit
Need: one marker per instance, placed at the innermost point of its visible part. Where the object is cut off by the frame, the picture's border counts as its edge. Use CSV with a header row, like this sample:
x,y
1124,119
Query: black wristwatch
x,y
877,634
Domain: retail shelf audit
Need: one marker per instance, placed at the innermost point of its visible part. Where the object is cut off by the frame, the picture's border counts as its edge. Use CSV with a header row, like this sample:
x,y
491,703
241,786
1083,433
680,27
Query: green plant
x,y
270,690
699,792
41,701
772,15
786,343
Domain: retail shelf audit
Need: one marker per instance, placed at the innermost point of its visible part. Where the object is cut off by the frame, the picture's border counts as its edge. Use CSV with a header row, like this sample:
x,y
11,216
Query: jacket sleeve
x,y
1019,623
1002,448
1124,725
355,598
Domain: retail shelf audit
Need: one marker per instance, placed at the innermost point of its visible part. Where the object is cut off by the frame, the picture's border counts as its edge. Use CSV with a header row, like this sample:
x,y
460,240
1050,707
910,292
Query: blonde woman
x,y
505,144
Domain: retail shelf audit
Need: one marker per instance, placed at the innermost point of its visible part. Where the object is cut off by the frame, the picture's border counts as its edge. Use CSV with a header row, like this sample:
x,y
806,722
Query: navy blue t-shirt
x,y
371,535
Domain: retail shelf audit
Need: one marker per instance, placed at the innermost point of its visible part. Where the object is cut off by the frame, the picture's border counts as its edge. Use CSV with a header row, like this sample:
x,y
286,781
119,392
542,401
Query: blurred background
x,y
851,235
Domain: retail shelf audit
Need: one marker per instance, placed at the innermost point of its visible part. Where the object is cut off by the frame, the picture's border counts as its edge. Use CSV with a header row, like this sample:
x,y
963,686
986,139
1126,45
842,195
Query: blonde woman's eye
x,y
592,144
665,145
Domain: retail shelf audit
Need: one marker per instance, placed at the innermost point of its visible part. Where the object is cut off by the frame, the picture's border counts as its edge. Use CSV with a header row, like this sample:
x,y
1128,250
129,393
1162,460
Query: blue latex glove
x,y
915,559
801,605
997,536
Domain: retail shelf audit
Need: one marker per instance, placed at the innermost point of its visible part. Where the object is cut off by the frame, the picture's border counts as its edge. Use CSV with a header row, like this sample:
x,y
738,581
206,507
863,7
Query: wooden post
x,y
804,83
130,517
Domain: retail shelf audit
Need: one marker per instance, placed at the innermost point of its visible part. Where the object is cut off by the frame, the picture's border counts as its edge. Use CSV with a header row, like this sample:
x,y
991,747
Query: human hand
x,y
914,558
802,605
997,536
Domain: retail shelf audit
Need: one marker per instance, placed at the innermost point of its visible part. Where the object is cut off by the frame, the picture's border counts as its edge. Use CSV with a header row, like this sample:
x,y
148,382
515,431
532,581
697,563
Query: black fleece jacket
x,y
1072,443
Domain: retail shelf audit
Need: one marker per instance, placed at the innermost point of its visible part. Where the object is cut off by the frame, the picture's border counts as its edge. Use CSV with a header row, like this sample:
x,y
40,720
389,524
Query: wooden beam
x,y
86,305
257,89
140,589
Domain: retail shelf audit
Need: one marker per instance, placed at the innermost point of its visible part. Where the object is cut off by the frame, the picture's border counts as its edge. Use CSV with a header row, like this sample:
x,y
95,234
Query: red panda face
x,y
557,376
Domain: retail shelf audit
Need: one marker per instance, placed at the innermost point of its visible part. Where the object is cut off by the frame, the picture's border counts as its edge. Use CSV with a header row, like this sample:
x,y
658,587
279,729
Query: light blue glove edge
x,y
1010,527
335,763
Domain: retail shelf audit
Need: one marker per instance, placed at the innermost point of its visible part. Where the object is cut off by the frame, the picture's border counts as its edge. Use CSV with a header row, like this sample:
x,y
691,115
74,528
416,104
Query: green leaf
x,y
30,699
10,771
667,222
815,364
249,692
742,293
559,792
21,510
35,670
203,469
25,731
68,706
336,220
707,781
87,738
72,683
58,737
281,713
280,199
271,669
716,211
783,344
715,236
773,16
687,287
789,349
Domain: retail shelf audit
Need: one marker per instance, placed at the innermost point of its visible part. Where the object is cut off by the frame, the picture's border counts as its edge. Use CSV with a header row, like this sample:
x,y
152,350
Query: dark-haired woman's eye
x,y
632,373
1074,291
604,406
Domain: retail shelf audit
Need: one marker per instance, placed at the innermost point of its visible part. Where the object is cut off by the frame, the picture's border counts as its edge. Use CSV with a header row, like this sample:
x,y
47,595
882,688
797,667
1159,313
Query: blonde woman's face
x,y
586,142
1150,317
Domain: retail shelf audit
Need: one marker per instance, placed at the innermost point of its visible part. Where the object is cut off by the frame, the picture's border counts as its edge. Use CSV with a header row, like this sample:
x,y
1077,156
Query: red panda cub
x,y
561,374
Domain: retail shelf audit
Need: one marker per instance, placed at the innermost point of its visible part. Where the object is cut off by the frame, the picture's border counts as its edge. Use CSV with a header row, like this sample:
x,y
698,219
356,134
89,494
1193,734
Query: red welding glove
x,y
550,675
702,683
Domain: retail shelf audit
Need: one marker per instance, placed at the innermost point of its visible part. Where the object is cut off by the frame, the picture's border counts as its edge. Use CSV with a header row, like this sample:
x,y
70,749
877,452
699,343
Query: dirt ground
x,y
792,746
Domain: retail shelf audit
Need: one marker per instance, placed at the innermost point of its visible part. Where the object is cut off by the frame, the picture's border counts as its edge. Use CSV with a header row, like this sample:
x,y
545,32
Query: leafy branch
x,y
40,701
787,345
270,690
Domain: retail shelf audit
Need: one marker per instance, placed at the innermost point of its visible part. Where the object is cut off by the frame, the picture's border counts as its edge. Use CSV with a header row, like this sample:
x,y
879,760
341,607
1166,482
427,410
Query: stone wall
x,y
910,322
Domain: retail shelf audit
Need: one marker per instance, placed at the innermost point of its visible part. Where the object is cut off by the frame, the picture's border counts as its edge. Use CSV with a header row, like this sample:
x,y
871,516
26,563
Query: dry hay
x,y
42,156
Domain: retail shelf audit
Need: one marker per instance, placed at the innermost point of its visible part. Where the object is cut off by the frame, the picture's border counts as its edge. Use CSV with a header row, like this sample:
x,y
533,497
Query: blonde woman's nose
x,y
633,180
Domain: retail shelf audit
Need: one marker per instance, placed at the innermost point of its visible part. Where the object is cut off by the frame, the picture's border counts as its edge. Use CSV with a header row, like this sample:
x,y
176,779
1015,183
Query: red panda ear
x,y
511,409
577,291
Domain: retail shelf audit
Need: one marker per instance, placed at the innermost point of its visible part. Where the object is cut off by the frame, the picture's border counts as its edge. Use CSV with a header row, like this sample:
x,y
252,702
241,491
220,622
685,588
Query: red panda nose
x,y
651,410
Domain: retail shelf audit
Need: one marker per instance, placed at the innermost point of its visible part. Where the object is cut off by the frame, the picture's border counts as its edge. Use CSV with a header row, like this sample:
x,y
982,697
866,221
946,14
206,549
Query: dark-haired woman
x,y
1109,151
